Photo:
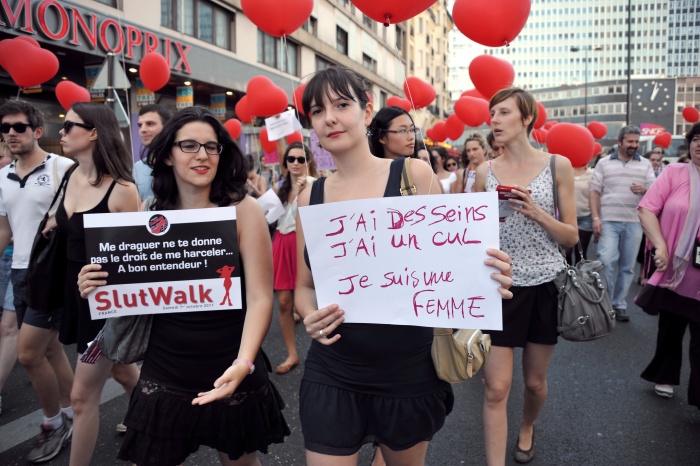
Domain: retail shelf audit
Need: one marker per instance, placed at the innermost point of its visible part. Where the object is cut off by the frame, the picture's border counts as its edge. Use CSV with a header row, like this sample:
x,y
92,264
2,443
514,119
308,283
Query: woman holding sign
x,y
174,410
530,235
364,382
90,134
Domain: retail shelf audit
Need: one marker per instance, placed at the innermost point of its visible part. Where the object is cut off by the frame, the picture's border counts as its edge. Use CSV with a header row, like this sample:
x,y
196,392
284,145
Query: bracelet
x,y
250,365
596,218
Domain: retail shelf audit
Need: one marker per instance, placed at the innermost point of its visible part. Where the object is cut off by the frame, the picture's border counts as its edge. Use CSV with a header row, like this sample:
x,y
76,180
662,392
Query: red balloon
x,y
429,134
392,11
539,135
549,124
473,93
472,110
233,127
296,136
278,18
265,98
297,98
8,43
572,141
29,40
541,116
663,139
490,74
395,101
691,114
267,145
597,129
493,23
27,64
154,72
439,131
243,110
68,93
454,127
419,92
597,148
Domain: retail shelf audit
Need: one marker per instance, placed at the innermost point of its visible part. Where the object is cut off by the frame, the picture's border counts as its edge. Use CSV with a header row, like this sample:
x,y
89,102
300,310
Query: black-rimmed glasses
x,y
68,125
403,132
18,127
190,146
291,159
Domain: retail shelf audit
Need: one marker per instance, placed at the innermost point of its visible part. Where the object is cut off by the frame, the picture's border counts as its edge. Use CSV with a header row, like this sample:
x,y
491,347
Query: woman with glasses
x,y
100,182
174,410
392,134
473,155
296,160
445,176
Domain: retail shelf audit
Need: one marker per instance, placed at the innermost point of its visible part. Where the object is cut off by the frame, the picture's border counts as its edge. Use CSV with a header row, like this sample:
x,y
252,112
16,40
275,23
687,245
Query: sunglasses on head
x,y
301,160
18,127
68,125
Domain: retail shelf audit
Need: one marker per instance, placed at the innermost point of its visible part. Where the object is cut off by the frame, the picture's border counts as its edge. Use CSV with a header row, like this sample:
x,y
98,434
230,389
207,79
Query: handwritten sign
x,y
414,260
271,205
164,261
281,125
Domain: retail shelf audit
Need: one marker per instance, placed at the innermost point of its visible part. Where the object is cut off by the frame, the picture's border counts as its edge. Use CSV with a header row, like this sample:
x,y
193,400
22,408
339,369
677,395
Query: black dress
x,y
376,384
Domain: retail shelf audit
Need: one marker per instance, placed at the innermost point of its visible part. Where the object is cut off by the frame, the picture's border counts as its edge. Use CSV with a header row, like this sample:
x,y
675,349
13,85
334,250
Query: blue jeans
x,y
617,250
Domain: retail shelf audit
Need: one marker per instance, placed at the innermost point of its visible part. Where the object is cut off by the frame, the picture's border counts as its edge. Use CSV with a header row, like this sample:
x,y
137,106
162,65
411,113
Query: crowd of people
x,y
204,380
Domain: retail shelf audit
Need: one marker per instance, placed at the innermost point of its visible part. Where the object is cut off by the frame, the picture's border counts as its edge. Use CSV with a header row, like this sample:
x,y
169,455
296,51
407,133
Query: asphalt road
x,y
599,411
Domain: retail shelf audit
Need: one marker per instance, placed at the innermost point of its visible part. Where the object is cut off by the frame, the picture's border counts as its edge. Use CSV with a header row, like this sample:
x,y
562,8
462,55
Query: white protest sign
x,y
164,261
414,260
281,125
272,205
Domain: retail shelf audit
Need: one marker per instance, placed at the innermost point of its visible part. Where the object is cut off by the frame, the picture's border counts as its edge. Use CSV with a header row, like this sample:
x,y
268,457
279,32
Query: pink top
x,y
669,198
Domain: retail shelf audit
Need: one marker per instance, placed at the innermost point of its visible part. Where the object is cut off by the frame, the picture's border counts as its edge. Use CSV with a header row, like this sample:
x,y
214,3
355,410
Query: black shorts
x,y
25,314
529,317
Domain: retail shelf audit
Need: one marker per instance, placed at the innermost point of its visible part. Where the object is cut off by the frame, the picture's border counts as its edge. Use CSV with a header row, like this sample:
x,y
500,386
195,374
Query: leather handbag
x,y
459,354
585,311
124,340
46,279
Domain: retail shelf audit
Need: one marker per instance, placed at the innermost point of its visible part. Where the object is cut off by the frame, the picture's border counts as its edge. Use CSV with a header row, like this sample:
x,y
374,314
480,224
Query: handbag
x,y
124,340
585,311
46,279
459,354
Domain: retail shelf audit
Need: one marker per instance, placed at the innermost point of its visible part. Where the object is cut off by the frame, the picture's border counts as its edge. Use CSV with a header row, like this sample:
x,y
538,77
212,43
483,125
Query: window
x,y
400,37
198,18
272,53
341,40
112,3
369,62
382,98
367,21
322,63
311,26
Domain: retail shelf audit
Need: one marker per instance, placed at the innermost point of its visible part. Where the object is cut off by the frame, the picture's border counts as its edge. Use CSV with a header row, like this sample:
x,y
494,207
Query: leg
x,y
85,399
630,237
319,459
665,367
498,377
127,375
378,457
536,360
694,353
249,459
9,334
609,252
285,300
58,360
585,237
32,347
414,456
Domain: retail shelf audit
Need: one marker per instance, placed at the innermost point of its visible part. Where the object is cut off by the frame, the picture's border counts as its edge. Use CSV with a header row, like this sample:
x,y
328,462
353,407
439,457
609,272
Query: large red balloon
x,y
27,64
392,11
572,141
454,127
472,110
68,93
395,101
278,18
473,93
663,139
539,135
233,127
541,116
691,114
493,23
439,131
296,136
154,71
297,98
267,145
490,74
419,92
597,129
265,98
243,110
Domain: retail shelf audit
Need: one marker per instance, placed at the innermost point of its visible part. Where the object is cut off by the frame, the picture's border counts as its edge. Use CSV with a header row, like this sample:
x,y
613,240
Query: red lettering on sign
x,y
90,32
21,7
117,31
64,23
133,37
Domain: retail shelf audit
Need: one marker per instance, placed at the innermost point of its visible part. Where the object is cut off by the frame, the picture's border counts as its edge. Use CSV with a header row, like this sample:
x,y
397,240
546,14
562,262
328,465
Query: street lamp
x,y
595,48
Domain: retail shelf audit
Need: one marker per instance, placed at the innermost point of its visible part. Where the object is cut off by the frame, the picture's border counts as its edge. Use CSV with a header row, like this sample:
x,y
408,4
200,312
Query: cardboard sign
x,y
414,260
281,125
164,261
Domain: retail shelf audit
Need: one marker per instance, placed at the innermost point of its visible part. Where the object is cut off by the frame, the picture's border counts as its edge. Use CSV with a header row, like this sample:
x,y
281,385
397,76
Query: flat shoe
x,y
284,368
663,392
524,456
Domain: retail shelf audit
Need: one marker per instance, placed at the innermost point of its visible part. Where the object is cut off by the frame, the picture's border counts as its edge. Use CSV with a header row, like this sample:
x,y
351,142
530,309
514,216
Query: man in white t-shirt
x,y
27,187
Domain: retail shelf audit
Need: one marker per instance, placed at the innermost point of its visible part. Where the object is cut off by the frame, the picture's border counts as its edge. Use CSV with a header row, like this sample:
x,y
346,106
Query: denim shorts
x,y
585,223
6,292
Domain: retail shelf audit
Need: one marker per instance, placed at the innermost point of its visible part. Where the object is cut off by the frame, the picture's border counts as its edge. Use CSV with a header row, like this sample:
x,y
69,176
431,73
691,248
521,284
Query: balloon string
x,y
19,91
294,84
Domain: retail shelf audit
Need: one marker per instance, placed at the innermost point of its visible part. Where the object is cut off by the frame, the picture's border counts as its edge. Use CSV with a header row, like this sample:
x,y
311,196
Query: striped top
x,y
612,178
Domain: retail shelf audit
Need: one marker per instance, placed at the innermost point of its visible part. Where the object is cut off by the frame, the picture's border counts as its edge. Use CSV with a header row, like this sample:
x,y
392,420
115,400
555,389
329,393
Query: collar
x,y
12,175
616,155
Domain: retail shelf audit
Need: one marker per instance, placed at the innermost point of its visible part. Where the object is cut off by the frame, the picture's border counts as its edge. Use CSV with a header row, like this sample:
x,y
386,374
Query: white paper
x,y
271,205
281,125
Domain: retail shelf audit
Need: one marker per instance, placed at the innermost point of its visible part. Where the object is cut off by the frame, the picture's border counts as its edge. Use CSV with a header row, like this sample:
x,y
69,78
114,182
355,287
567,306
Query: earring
x,y
319,145
169,163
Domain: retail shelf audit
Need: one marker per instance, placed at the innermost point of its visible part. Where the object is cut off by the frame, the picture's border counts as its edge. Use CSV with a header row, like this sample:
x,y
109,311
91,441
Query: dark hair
x,y
449,158
12,107
163,112
490,139
110,155
692,132
629,129
380,123
442,151
249,162
335,80
229,184
286,187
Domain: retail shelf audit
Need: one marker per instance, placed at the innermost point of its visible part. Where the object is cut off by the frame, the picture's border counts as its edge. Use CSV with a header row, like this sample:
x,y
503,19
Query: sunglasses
x,y
301,160
451,164
18,127
68,125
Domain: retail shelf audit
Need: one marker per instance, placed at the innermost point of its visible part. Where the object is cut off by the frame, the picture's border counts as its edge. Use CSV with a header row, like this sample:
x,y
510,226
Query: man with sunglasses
x,y
27,187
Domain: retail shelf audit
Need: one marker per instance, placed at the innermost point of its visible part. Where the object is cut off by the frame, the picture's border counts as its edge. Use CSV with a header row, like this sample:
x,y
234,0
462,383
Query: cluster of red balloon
x,y
27,63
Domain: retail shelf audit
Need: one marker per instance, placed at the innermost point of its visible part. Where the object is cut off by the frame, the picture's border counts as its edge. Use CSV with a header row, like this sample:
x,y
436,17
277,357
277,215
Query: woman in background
x,y
392,134
445,176
473,155
256,183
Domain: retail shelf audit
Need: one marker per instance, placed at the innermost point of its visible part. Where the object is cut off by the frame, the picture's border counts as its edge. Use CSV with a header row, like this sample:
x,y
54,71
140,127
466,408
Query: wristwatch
x,y
250,365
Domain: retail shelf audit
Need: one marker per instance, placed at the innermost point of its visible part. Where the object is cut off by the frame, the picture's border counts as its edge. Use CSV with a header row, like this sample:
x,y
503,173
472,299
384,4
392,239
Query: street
x,y
599,411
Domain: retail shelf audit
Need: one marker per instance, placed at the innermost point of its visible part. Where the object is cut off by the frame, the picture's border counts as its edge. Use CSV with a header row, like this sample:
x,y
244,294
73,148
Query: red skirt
x,y
284,260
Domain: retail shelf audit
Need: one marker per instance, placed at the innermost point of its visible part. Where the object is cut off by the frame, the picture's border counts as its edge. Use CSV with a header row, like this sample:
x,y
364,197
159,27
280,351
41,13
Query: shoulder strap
x,y
62,186
553,169
407,186
316,196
